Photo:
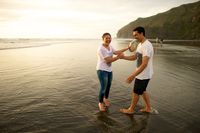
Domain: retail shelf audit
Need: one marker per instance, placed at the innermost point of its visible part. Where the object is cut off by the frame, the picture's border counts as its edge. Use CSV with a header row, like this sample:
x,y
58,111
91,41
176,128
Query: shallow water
x,y
54,88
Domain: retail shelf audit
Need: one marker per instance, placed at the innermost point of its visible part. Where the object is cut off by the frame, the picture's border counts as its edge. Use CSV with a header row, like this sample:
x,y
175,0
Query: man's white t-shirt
x,y
145,49
102,53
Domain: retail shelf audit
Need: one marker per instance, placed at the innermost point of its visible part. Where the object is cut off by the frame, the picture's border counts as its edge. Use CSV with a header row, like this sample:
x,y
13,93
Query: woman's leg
x,y
110,75
103,79
103,83
106,101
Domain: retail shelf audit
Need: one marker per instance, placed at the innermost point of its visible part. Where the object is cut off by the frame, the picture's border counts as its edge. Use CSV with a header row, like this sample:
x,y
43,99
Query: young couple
x,y
142,74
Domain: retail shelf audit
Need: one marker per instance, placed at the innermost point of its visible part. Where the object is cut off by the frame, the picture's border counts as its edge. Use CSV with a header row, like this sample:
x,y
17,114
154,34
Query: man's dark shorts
x,y
140,86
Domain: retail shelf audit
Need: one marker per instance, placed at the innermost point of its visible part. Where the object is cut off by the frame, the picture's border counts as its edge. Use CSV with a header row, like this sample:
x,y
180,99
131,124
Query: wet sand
x,y
55,88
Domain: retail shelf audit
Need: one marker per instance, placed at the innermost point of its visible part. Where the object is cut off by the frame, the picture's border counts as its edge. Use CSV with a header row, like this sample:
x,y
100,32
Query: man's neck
x,y
143,40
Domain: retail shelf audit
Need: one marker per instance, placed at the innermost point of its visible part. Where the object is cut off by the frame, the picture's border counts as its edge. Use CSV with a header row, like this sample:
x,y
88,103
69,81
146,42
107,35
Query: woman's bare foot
x,y
101,107
107,102
127,111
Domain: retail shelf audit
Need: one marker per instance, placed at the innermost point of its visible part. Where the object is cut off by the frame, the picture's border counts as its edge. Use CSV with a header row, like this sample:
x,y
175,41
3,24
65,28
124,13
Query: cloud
x,y
76,18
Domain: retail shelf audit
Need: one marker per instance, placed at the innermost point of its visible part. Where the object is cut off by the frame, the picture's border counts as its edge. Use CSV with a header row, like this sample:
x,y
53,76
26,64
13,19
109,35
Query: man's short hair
x,y
140,30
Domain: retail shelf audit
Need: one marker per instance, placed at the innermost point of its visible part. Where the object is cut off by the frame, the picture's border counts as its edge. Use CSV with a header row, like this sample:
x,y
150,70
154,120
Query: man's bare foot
x,y
107,102
101,107
127,111
145,110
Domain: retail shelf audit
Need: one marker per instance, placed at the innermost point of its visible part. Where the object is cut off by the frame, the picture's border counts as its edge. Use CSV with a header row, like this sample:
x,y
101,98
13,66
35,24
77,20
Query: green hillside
x,y
182,22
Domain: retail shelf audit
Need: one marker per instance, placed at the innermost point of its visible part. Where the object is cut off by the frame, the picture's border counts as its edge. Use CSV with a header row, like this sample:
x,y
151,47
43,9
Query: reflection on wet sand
x,y
128,123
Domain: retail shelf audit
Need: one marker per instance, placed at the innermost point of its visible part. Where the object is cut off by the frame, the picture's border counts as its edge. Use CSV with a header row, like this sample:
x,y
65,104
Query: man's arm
x,y
112,59
131,57
144,64
120,51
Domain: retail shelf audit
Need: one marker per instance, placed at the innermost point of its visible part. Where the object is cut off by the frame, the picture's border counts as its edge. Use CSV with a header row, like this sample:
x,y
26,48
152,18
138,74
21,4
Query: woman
x,y
104,70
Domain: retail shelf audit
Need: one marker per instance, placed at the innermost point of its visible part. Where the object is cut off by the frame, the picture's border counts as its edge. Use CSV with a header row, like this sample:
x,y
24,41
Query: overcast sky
x,y
75,18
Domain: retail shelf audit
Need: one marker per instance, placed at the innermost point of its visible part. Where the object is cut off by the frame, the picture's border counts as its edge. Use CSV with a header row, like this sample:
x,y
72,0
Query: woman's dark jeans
x,y
105,79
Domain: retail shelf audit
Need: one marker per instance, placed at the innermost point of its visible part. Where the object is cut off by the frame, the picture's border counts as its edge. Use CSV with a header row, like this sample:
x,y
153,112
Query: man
x,y
143,73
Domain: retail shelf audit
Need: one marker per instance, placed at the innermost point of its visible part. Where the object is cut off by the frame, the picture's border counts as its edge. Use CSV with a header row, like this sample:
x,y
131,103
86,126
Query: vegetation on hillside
x,y
182,22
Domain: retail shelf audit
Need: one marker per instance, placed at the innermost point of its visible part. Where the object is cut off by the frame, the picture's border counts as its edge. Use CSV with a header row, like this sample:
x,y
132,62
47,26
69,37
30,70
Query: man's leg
x,y
147,102
137,90
134,101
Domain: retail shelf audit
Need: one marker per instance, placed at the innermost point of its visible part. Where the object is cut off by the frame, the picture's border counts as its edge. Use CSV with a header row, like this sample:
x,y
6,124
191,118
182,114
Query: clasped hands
x,y
120,55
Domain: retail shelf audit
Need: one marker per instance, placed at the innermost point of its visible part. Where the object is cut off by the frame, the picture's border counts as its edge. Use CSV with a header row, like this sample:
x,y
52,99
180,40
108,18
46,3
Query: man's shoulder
x,y
148,44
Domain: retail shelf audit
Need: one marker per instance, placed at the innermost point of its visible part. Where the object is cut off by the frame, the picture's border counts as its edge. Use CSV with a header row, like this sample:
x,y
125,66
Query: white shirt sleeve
x,y
146,51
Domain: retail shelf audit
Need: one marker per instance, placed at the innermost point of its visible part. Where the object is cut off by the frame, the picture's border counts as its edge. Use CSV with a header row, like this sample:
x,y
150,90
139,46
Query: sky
x,y
75,18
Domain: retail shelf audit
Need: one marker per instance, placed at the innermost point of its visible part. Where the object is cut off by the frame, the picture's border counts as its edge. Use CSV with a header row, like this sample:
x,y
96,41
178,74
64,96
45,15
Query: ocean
x,y
51,85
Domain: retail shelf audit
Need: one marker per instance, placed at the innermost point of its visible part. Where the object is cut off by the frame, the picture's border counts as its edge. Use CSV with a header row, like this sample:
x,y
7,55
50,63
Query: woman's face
x,y
107,39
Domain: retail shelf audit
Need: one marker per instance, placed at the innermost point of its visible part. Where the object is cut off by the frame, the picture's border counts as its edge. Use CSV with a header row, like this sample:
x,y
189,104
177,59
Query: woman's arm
x,y
112,59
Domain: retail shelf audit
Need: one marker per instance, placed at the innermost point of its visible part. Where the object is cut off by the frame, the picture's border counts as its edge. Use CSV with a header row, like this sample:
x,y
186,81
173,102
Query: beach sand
x,y
54,88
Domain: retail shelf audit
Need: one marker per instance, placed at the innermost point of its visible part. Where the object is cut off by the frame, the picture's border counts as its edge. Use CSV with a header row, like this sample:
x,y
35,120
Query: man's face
x,y
137,35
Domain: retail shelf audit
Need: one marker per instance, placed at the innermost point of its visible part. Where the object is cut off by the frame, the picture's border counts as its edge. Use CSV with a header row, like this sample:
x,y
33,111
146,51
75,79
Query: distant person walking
x,y
104,69
143,73
161,40
157,40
